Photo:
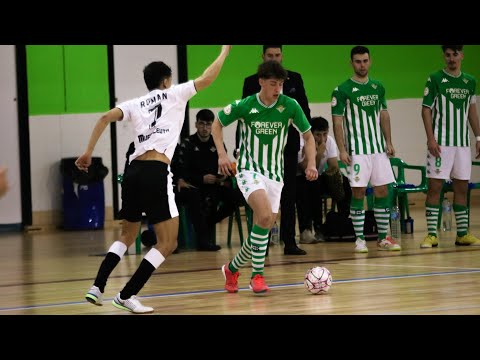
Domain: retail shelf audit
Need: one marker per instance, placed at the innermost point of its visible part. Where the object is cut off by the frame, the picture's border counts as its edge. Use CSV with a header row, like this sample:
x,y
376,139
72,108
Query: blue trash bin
x,y
83,195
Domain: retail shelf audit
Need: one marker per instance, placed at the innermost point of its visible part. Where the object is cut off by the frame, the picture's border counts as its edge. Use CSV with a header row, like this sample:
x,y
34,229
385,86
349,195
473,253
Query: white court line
x,y
408,266
450,308
203,292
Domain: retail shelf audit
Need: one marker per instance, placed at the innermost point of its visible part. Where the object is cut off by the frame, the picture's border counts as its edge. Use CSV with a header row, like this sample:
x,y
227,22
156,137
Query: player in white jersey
x,y
359,107
265,118
156,120
449,105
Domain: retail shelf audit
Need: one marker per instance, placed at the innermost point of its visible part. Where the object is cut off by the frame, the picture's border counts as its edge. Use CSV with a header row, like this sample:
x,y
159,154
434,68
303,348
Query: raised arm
x,y
211,72
84,161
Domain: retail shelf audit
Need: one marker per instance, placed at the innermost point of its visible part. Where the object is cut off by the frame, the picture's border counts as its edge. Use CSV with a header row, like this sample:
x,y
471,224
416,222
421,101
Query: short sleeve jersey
x,y
450,98
157,118
264,132
330,152
360,105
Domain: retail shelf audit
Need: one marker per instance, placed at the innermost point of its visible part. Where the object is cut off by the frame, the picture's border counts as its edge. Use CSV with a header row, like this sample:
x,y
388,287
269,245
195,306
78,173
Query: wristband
x,y
478,138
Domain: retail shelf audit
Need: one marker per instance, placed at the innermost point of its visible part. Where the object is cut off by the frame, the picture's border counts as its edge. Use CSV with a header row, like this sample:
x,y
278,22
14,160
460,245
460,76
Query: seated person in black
x,y
195,169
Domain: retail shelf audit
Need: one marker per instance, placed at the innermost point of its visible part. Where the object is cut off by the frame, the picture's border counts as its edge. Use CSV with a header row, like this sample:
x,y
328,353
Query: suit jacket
x,y
293,87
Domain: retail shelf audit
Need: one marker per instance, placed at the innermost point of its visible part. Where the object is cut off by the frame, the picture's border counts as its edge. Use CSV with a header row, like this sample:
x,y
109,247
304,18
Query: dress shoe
x,y
209,247
294,251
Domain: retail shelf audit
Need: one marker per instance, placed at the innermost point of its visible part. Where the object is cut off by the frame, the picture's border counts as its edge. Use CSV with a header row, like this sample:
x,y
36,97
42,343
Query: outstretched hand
x,y
345,158
311,173
83,162
224,165
390,150
434,148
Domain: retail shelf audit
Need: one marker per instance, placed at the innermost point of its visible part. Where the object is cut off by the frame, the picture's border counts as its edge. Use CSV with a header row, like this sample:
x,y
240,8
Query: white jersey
x,y
330,152
157,118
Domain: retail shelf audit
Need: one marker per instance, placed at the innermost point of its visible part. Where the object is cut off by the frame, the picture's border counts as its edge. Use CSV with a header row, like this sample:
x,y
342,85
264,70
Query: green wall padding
x,y
66,79
403,69
46,90
86,79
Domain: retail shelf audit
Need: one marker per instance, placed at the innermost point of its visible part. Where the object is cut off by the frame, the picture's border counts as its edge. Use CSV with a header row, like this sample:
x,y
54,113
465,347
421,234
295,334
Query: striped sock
x,y
357,213
381,210
461,218
431,213
259,248
244,255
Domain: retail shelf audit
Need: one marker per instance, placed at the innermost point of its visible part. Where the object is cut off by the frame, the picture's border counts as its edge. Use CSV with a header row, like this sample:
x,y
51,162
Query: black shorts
x,y
147,188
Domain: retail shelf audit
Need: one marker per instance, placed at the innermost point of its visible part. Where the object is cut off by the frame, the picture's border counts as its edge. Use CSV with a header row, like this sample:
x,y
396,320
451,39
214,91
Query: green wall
x,y
67,79
46,89
403,69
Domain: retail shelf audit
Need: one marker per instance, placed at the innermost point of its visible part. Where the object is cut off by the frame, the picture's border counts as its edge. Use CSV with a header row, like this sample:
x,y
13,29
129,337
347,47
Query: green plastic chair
x,y
400,189
448,187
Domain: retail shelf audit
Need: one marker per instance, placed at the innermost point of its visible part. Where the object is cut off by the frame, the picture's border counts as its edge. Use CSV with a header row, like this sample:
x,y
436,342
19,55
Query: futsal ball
x,y
318,280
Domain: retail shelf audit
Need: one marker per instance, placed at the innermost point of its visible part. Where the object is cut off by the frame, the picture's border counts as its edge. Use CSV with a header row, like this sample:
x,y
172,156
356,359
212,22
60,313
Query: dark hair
x,y
271,70
205,115
154,73
319,124
359,50
265,47
455,48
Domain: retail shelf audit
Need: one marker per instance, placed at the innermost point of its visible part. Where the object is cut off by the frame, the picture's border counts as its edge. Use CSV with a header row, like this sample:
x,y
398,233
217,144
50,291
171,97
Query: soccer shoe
x,y
94,296
307,237
388,244
257,284
133,305
429,241
467,239
295,250
231,279
319,237
361,246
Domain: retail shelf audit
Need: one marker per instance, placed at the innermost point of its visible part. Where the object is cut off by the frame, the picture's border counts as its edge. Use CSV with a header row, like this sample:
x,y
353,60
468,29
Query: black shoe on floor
x,y
294,251
209,247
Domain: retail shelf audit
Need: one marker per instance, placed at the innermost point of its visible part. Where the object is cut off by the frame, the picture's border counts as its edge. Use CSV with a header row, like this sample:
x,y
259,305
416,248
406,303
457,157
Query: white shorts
x,y
374,169
455,162
249,181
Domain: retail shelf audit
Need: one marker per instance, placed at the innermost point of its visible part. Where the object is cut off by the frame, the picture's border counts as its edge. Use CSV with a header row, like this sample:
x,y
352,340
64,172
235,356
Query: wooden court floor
x,y
48,273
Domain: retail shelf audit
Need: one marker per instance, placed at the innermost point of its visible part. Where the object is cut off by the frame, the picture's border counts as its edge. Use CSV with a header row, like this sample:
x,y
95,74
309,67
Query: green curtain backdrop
x,y
67,79
403,69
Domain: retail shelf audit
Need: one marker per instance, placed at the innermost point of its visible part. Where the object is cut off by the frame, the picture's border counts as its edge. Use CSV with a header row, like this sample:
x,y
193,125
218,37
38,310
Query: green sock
x,y
381,210
357,213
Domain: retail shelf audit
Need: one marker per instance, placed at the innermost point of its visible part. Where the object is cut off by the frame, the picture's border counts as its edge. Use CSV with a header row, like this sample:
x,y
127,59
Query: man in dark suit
x,y
292,87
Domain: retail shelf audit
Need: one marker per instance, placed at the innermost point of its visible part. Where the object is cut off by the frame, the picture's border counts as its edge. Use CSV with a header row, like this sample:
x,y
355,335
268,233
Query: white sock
x,y
118,248
154,257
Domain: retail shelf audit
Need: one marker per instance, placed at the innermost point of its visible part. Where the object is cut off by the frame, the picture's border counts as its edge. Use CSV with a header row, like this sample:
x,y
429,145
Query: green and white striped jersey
x,y
264,132
360,105
450,98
